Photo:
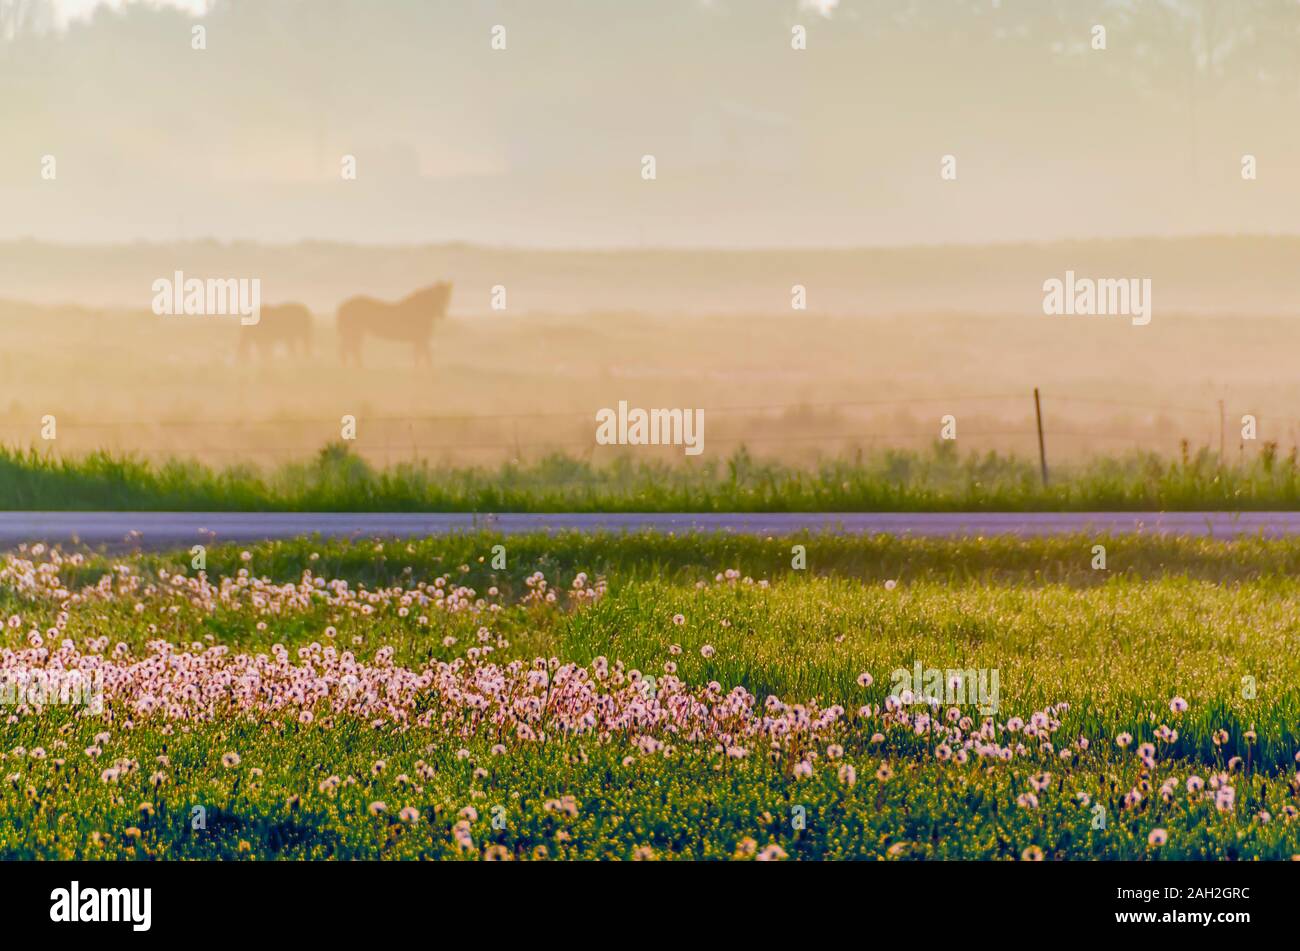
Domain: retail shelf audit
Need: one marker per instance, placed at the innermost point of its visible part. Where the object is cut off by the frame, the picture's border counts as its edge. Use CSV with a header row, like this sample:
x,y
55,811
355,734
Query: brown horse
x,y
288,324
411,319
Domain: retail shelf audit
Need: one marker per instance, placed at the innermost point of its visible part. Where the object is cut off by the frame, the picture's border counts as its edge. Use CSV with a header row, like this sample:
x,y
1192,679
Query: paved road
x,y
161,529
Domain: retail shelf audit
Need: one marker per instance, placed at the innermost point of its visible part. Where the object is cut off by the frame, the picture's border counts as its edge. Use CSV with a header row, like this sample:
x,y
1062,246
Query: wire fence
x,y
390,437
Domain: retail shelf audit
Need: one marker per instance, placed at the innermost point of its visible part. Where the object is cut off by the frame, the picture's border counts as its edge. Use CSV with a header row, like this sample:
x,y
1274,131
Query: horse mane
x,y
435,296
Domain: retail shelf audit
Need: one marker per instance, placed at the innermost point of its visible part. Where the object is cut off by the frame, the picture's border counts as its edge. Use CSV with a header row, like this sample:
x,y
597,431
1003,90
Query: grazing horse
x,y
288,324
411,319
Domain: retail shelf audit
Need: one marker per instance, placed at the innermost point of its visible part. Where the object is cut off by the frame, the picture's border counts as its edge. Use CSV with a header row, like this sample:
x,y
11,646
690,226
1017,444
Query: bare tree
x,y
23,17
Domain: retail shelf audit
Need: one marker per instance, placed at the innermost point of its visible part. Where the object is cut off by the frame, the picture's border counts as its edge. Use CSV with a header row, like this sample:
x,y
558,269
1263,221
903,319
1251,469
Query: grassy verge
x,y
890,481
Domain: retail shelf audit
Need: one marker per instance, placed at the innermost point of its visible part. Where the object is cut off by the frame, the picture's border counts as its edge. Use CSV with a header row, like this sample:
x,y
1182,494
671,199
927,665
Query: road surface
x,y
164,529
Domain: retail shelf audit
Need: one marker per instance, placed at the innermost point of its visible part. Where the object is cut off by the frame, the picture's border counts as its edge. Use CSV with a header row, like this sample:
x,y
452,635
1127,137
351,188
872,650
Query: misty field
x,y
648,697
522,386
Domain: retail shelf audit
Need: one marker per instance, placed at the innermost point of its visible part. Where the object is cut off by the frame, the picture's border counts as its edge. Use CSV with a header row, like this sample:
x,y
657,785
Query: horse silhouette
x,y
411,320
288,324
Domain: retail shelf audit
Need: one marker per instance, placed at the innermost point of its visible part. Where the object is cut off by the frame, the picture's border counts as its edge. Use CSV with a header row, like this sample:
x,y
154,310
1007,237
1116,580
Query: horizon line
x,y
620,248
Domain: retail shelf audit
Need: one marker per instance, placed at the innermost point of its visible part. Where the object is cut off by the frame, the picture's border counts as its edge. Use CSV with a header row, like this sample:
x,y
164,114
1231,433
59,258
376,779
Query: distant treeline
x,y
1003,279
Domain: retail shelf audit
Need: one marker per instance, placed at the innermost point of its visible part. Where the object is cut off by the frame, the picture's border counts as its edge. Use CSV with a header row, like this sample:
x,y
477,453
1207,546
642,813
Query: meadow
x,y
649,697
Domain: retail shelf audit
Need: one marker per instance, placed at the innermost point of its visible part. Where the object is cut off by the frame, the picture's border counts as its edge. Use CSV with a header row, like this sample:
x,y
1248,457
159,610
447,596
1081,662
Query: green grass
x,y
1213,622
939,479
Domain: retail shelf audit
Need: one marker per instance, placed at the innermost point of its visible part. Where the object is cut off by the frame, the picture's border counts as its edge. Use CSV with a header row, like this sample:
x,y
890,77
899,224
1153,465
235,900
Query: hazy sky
x,y
755,143
74,9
